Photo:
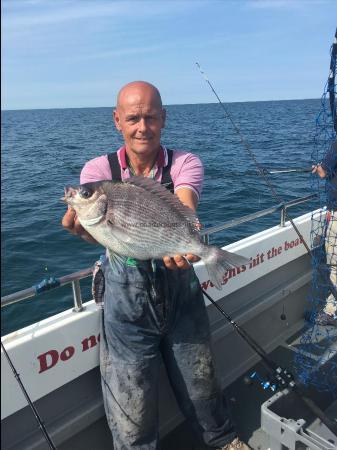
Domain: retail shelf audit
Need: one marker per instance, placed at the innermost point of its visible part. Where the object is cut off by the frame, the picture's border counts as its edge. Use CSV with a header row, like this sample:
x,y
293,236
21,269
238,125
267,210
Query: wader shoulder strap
x,y
166,179
114,167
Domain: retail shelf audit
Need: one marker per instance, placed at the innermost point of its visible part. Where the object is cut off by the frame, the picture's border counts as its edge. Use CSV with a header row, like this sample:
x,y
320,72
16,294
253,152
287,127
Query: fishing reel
x,y
265,383
280,380
284,378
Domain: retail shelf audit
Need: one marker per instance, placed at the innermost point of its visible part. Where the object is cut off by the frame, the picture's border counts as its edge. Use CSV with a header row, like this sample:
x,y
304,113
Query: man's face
x,y
140,117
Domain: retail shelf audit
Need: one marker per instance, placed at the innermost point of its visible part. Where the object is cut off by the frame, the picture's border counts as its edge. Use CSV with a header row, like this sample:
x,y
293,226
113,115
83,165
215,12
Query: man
x,y
154,310
328,170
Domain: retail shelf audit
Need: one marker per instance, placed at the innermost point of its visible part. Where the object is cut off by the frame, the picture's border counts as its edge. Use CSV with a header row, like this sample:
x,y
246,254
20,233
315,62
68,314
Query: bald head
x,y
136,91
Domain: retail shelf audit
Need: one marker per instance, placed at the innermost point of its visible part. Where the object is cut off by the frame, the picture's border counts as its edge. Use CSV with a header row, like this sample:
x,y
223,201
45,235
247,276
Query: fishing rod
x,y
331,83
260,169
281,378
31,404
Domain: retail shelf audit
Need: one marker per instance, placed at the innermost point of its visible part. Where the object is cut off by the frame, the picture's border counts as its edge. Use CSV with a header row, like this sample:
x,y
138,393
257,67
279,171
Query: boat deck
x,y
245,401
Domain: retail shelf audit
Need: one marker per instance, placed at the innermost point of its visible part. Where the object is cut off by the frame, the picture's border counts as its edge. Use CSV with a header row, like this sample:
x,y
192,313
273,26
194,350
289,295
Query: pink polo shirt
x,y
186,170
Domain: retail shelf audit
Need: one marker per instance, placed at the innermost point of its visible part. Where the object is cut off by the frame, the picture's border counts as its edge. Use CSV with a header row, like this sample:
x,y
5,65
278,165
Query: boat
x,y
57,358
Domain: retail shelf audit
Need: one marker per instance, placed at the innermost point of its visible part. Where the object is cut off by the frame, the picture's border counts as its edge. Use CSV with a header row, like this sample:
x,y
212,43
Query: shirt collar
x,y
161,160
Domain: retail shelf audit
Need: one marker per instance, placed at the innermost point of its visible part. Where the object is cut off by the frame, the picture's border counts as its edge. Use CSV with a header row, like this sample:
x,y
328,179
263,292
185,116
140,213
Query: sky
x,y
79,53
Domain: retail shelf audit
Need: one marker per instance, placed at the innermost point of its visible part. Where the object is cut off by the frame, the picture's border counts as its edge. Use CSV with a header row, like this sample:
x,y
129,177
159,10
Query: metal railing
x,y
74,278
249,217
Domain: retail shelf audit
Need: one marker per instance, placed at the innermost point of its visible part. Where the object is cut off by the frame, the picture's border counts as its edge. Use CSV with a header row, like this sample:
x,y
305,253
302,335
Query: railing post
x,y
78,306
283,216
205,239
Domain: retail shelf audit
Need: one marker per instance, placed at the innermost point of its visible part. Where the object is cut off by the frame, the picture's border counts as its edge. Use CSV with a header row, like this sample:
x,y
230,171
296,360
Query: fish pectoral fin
x,y
120,234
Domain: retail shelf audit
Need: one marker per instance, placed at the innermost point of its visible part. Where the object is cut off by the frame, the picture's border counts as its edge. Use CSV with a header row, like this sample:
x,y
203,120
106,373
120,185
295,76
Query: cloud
x,y
18,14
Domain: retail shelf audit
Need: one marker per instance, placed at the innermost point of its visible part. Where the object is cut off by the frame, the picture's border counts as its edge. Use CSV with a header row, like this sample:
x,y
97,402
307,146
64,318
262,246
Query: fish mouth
x,y
69,193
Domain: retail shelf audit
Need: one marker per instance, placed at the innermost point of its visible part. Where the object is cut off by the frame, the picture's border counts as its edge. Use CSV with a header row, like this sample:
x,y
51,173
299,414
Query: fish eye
x,y
85,192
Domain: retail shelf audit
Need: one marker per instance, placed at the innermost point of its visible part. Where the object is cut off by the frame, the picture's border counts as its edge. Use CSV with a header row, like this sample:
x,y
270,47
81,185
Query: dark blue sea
x,y
44,150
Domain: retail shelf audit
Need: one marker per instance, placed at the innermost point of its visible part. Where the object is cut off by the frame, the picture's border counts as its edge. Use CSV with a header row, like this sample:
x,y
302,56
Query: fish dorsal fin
x,y
149,185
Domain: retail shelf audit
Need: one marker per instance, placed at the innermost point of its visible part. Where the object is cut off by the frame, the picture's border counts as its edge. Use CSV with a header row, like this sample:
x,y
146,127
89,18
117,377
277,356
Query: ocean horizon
x,y
164,105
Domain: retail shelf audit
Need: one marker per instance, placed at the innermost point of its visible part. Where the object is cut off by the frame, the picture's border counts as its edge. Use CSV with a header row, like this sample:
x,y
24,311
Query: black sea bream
x,y
141,219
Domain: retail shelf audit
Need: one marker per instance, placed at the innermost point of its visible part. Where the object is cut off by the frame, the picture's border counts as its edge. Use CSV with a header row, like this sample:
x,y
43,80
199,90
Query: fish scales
x,y
153,231
144,211
143,218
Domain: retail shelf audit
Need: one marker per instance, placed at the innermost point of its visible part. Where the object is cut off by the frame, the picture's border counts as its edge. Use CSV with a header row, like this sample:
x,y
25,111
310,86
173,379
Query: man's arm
x,y
190,199
187,197
328,167
329,162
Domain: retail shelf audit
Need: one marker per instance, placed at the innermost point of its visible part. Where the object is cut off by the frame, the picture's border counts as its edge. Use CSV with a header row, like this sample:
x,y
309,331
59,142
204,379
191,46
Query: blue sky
x,y
78,53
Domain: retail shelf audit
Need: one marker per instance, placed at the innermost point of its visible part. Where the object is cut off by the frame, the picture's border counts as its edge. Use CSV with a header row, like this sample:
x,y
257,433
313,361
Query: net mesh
x,y
316,360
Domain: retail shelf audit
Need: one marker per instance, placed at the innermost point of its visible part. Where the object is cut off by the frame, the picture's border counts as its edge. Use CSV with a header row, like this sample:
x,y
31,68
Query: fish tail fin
x,y
218,261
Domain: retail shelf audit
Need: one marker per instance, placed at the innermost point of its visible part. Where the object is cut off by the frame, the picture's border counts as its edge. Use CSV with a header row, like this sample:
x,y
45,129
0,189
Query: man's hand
x,y
319,170
71,223
179,261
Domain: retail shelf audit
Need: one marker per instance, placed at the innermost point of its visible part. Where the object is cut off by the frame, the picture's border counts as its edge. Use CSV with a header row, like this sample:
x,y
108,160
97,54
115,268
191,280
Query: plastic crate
x,y
287,433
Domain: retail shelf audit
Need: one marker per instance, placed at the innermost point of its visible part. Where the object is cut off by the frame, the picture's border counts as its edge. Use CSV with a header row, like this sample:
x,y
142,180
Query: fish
x,y
141,219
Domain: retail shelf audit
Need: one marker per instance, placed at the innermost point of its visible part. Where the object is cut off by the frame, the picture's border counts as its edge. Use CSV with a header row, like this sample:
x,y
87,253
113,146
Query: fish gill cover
x,y
316,360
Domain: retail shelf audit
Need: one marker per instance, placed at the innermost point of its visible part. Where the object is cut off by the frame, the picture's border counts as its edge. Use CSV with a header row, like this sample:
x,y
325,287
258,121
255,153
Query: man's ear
x,y
116,119
163,115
